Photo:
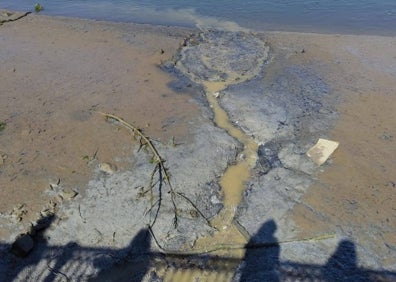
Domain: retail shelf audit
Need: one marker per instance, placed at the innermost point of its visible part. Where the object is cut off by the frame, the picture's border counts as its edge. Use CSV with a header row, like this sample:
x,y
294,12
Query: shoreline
x,y
221,25
212,23
59,72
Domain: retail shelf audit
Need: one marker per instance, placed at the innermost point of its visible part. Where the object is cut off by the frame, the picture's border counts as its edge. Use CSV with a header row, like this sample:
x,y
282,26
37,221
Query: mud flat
x,y
231,114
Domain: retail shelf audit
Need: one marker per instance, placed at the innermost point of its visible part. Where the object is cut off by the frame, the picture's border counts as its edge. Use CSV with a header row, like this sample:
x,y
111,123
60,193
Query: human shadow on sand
x,y
262,259
138,262
261,263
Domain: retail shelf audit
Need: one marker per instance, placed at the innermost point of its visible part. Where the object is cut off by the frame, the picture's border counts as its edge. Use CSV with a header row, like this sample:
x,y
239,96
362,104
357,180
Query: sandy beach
x,y
58,74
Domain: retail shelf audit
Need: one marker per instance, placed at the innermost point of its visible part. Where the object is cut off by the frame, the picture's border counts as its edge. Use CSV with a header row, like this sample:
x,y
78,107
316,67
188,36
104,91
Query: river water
x,y
328,16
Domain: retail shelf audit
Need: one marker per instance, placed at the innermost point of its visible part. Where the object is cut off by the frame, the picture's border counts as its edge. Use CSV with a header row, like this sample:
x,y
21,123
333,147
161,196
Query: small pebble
x,y
68,194
3,157
107,168
55,184
18,212
22,245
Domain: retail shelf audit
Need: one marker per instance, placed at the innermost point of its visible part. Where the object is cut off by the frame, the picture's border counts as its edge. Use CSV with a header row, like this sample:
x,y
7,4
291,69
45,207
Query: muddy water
x,y
232,182
236,175
218,61
228,239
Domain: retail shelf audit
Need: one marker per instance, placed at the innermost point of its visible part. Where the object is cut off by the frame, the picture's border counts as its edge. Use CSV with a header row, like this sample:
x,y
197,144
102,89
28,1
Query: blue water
x,y
335,16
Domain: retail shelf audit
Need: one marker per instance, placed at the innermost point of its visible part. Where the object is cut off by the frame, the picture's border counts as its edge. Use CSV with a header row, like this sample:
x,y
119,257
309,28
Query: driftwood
x,y
14,19
159,169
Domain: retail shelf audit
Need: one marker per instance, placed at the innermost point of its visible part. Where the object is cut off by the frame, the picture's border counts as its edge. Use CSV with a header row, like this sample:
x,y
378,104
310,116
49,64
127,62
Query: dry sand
x,y
56,73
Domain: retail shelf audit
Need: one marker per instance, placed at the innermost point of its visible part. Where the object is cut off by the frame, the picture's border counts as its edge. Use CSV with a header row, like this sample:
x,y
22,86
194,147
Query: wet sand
x,y
356,192
57,73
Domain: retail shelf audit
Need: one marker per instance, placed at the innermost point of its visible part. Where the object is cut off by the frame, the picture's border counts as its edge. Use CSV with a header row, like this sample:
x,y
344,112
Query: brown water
x,y
228,239
232,183
221,53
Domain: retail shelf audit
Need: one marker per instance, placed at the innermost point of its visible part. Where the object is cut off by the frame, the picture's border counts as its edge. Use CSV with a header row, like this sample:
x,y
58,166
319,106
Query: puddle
x,y
234,178
232,182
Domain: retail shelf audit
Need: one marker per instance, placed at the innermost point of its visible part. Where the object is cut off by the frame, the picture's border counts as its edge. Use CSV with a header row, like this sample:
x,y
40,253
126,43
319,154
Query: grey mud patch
x,y
113,209
285,117
284,107
285,113
222,56
118,199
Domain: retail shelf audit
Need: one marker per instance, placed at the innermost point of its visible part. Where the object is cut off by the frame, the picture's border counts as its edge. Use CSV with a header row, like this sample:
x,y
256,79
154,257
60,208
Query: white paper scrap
x,y
322,150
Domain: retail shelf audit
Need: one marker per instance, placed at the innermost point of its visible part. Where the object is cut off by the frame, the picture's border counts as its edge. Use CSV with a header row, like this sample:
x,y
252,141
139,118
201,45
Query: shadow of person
x,y
261,261
135,266
342,265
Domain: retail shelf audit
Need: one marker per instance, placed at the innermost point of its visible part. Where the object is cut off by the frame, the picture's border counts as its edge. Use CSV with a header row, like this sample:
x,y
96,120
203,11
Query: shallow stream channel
x,y
274,111
217,60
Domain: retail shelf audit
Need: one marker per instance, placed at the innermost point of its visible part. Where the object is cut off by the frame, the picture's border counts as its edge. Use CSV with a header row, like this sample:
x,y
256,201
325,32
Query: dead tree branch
x,y
163,174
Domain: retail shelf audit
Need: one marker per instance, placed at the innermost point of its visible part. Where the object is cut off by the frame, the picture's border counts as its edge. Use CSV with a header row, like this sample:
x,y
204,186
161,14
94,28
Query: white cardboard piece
x,y
322,150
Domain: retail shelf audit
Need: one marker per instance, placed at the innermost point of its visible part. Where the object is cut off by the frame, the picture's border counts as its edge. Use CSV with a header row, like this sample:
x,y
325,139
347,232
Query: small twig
x,y
151,208
155,238
137,131
159,196
100,234
57,272
15,19
156,157
95,154
79,212
195,207
150,188
222,247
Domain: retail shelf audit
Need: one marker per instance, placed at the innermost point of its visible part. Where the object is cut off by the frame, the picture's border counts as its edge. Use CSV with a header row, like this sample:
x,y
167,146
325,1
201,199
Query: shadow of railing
x,y
136,262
